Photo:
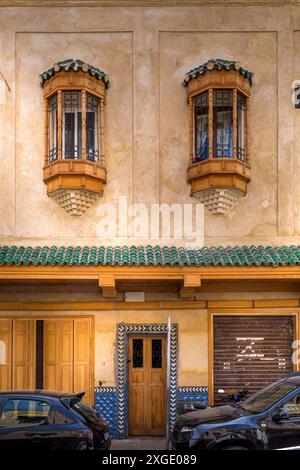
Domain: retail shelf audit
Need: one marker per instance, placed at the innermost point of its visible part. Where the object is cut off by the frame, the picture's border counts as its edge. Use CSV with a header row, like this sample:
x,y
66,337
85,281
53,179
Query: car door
x,y
284,431
24,424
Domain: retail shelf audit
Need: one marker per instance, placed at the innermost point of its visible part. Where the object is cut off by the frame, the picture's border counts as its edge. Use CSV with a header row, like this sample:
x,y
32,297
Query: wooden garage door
x,y
255,349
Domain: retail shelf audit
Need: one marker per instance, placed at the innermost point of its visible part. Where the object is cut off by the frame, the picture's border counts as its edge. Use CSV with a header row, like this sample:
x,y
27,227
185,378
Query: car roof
x,y
293,378
43,393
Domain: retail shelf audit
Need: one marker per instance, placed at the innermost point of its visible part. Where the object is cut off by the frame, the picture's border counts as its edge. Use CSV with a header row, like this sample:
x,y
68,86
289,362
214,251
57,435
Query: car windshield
x,y
268,396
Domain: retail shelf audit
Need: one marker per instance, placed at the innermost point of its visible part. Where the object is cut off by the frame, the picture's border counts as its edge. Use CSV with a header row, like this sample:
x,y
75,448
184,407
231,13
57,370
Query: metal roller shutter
x,y
255,349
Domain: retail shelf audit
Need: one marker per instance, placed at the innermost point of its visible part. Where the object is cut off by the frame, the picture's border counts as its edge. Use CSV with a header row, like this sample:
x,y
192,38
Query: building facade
x,y
149,167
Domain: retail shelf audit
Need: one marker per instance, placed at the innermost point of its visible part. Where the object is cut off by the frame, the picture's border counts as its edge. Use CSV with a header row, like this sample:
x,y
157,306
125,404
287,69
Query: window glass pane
x,y
241,123
72,125
137,346
92,128
52,128
19,413
293,407
201,127
223,124
87,412
55,417
268,396
156,354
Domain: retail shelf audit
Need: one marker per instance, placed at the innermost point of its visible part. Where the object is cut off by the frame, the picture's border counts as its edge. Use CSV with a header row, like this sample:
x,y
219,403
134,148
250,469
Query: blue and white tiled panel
x,y
193,394
106,404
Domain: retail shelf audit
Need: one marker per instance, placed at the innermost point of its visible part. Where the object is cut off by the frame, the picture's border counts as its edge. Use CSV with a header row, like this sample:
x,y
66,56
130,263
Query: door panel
x,y
23,354
67,355
5,354
51,356
138,383
147,385
82,371
65,347
286,433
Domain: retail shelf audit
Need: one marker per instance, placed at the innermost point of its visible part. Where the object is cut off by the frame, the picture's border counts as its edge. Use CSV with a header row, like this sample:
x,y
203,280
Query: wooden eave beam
x,y
181,273
188,278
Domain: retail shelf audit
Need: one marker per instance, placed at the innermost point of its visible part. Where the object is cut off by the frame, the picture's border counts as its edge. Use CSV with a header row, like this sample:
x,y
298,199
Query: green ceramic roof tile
x,y
217,64
74,65
150,256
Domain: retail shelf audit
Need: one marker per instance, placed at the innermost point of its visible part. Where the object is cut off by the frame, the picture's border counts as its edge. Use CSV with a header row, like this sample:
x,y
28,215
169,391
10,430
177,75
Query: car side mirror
x,y
280,415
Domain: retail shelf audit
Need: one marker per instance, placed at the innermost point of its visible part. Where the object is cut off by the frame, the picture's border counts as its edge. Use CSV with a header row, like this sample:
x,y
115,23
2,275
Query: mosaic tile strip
x,y
192,394
106,404
193,389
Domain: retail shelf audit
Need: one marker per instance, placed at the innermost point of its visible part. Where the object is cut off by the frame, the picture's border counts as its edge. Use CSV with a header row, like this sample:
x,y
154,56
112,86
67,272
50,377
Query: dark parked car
x,y
45,420
269,419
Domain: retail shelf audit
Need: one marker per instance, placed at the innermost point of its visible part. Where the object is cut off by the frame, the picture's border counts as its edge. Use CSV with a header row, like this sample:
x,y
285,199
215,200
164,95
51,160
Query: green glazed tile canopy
x,y
74,65
217,64
149,256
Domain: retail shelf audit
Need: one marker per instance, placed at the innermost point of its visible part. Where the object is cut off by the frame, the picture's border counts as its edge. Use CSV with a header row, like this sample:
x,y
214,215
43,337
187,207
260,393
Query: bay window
x,y
74,166
218,98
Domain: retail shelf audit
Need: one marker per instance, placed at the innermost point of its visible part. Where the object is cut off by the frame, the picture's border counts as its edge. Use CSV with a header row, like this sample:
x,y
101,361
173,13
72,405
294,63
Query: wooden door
x,y
5,354
147,385
67,356
82,361
23,354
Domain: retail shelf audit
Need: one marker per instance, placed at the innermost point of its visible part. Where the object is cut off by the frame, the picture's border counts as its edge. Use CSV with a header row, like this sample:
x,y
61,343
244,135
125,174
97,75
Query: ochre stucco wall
x,y
192,342
192,339
146,52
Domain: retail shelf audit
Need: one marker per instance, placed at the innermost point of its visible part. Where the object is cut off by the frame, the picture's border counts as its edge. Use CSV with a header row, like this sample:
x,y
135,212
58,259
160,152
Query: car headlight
x,y
185,433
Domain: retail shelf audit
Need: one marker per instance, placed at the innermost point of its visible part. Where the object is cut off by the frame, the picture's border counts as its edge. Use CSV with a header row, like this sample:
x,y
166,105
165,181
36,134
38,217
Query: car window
x,y
55,417
268,396
87,412
293,407
23,412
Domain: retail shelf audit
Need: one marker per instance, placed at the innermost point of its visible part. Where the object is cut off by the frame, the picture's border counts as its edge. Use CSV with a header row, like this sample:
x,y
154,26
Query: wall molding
x,y
150,305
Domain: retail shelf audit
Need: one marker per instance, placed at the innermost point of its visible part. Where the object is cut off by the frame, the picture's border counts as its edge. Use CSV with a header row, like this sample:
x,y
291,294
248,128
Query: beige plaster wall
x,y
147,51
192,342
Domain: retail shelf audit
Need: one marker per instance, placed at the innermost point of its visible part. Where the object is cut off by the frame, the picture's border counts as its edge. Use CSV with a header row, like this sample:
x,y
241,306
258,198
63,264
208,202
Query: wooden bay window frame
x,y
212,129
60,114
219,172
85,170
